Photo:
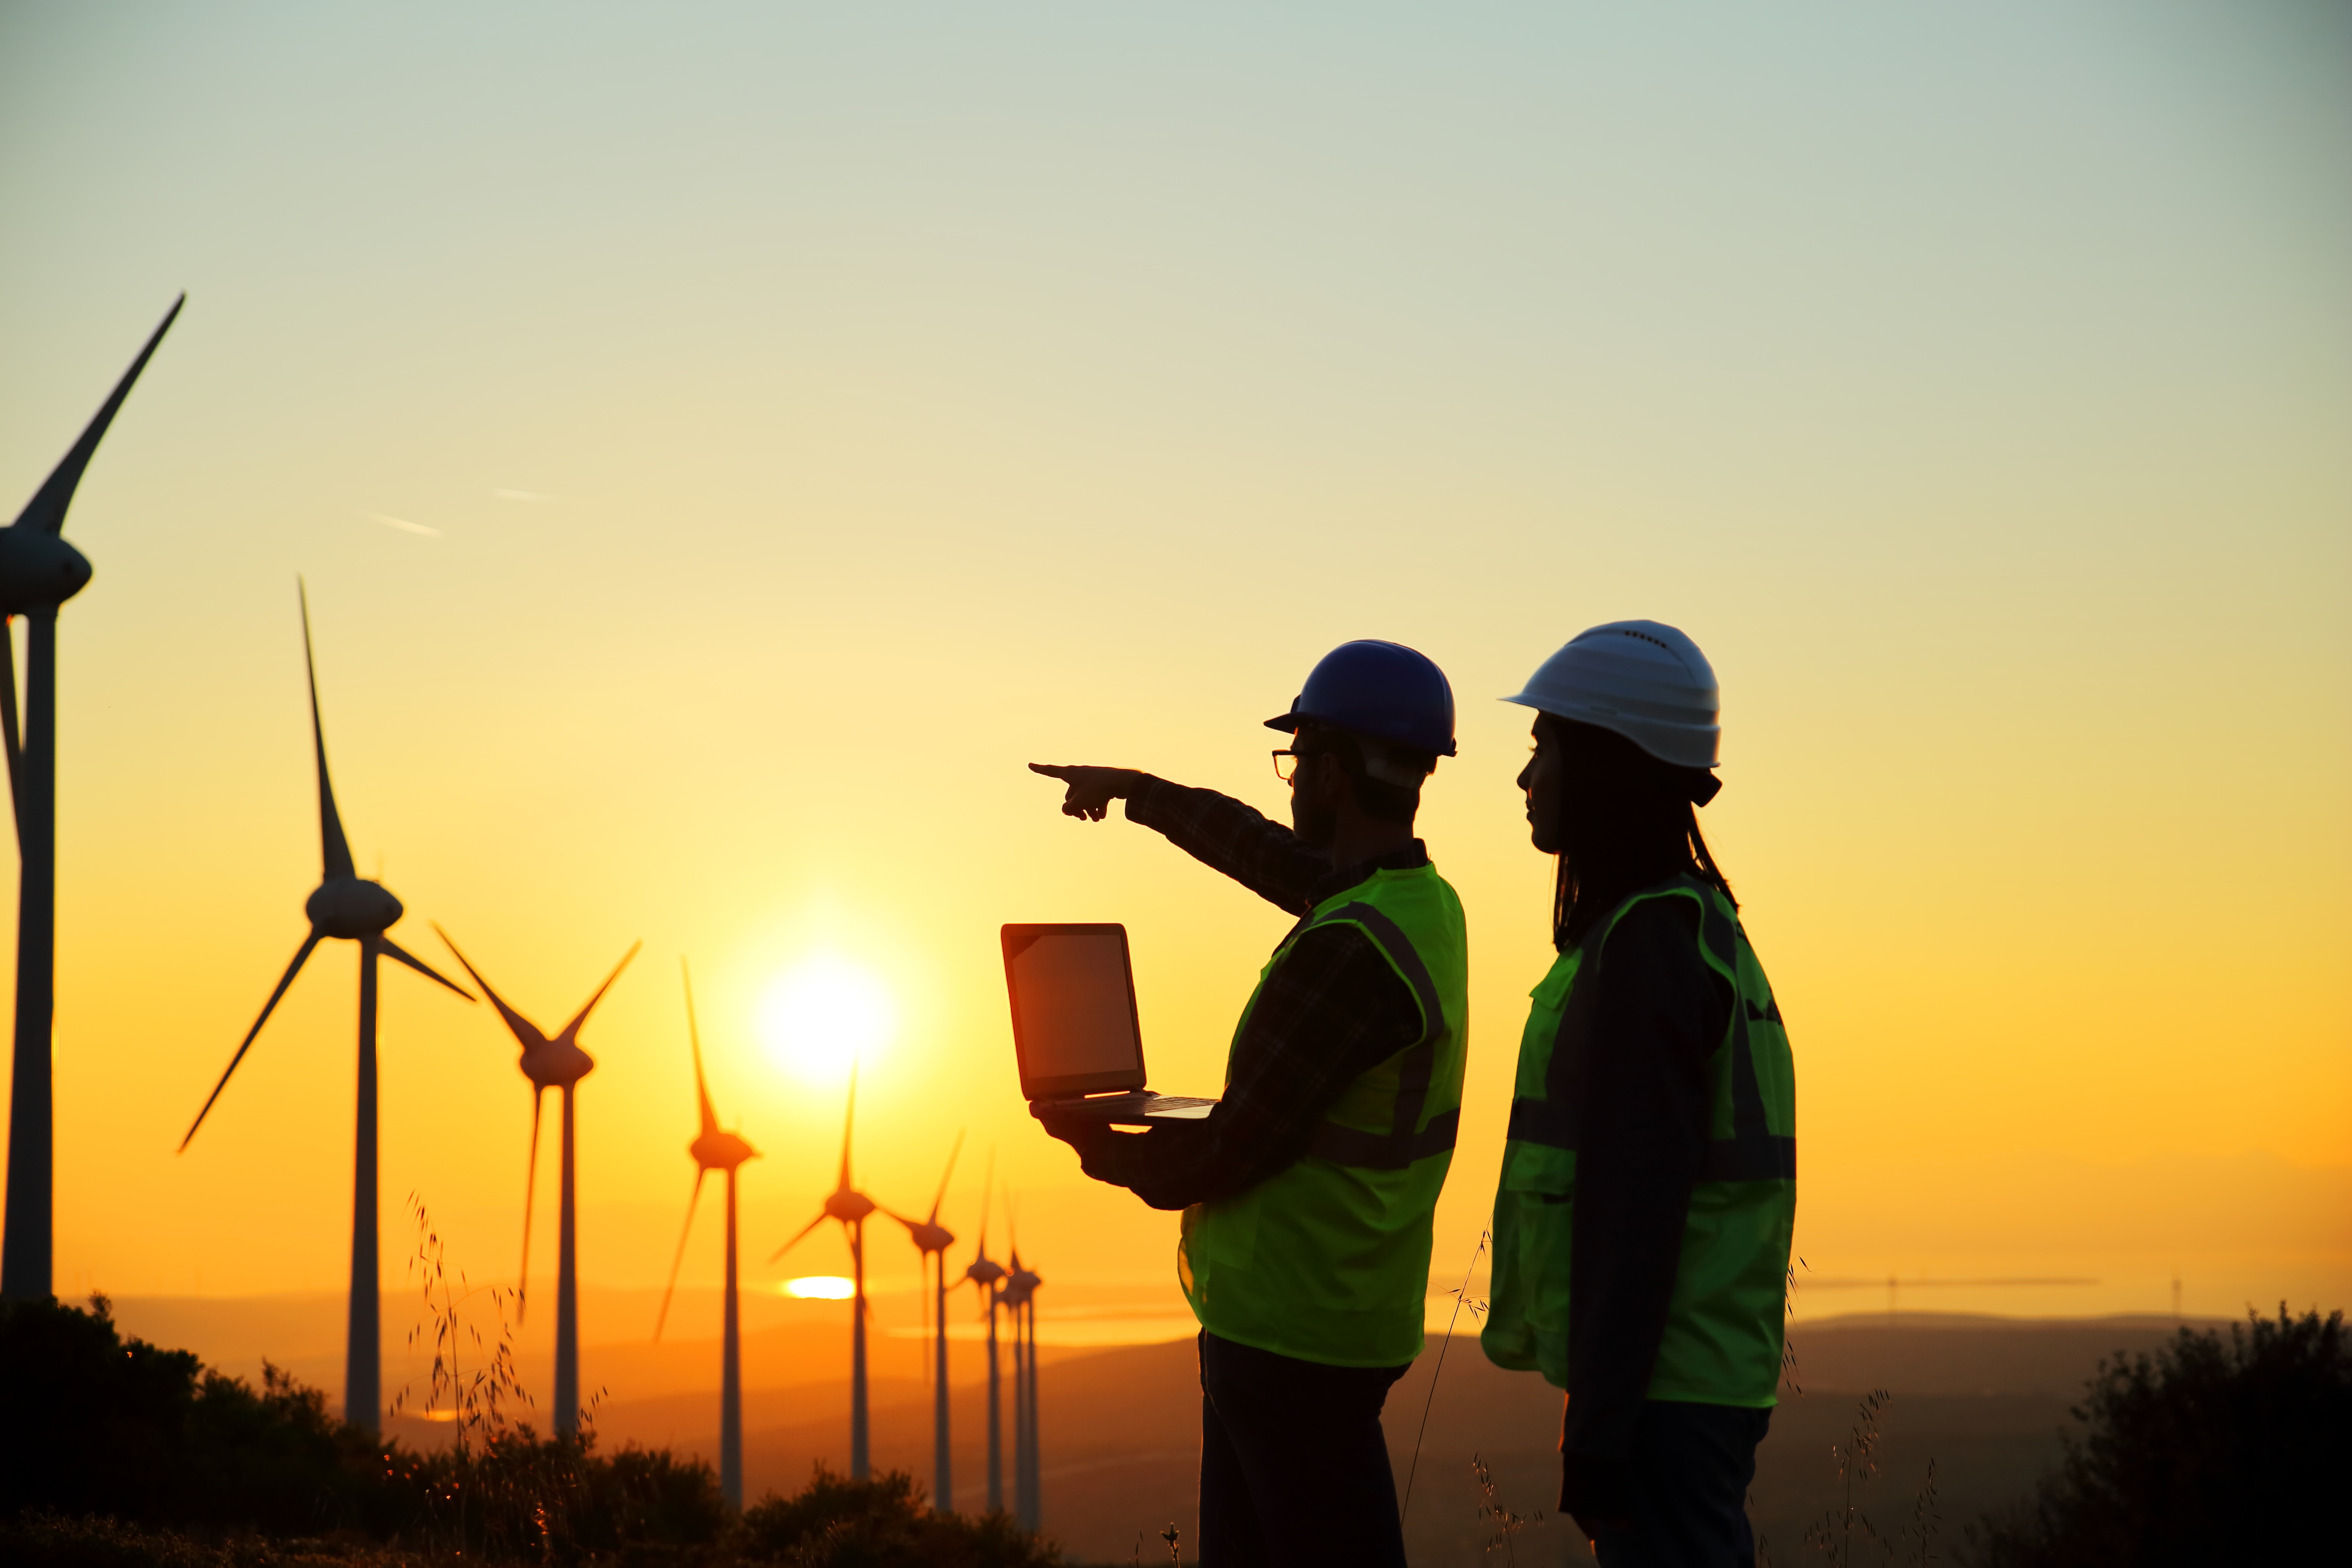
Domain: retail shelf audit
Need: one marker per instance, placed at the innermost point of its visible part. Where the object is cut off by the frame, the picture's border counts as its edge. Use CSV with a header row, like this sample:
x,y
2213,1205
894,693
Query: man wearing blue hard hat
x,y
1308,1192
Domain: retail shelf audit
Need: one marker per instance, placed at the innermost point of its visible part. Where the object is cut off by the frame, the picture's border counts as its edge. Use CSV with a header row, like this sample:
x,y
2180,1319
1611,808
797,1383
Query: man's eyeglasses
x,y
1286,763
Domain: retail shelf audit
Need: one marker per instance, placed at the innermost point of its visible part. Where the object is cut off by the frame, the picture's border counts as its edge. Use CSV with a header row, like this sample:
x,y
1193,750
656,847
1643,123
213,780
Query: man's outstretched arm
x,y
1215,830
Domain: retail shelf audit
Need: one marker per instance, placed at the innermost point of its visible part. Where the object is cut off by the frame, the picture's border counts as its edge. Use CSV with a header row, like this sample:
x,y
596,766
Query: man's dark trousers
x,y
1294,1466
1687,1488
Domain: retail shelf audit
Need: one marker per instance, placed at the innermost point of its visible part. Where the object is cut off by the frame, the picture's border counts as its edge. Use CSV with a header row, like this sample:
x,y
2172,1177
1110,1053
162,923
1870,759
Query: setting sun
x,y
824,1017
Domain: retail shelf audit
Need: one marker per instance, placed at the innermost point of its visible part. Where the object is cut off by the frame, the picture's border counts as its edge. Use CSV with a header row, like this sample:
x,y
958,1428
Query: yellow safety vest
x,y
1725,1327
1327,1260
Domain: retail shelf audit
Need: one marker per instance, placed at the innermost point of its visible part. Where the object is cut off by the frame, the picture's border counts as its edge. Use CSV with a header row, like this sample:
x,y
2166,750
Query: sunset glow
x,y
824,1017
819,1287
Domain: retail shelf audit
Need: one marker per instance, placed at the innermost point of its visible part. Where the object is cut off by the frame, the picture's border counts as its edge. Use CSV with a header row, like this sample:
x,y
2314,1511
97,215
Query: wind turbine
x,y
714,1149
1020,1292
984,1272
932,1239
557,1064
850,1206
347,906
38,571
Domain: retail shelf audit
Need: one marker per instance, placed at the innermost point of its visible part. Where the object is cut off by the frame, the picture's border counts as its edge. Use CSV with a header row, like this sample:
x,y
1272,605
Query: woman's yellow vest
x,y
1328,1259
1724,1332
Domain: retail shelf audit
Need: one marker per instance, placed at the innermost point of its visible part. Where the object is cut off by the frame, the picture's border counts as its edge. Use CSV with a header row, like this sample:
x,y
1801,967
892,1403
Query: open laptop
x,y
1074,1027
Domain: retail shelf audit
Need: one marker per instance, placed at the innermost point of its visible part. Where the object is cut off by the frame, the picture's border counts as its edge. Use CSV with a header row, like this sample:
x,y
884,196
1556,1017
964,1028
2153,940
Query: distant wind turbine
x,y
714,1149
40,571
557,1064
932,1239
986,1272
349,907
1020,1291
850,1208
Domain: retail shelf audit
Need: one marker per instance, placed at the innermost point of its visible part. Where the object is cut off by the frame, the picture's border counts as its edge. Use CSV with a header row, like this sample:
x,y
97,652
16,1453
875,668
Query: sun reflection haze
x,y
822,1017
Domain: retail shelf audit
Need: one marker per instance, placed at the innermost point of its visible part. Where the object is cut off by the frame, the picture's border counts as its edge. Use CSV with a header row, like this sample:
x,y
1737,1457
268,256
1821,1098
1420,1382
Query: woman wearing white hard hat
x,y
1652,1153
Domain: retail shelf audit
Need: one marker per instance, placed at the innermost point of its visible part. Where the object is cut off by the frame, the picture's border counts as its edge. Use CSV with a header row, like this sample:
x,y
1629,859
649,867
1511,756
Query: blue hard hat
x,y
1383,690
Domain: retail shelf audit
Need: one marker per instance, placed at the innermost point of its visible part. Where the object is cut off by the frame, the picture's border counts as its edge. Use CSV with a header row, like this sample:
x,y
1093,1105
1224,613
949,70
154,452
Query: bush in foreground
x,y
2209,1451
880,1523
115,1454
91,1423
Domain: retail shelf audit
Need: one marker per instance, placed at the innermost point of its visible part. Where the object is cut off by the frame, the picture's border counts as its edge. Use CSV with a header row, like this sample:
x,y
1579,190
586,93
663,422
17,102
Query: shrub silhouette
x,y
91,1423
115,1454
2209,1451
880,1523
518,1495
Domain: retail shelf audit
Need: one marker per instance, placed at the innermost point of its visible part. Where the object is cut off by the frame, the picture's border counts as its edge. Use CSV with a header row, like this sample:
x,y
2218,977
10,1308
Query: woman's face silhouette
x,y
1540,780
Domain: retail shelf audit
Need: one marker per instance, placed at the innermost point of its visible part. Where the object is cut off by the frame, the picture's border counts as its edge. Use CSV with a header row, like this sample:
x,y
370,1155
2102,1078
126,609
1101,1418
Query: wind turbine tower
x,y
1020,1291
932,1239
347,906
986,1272
846,1204
557,1064
40,571
714,1149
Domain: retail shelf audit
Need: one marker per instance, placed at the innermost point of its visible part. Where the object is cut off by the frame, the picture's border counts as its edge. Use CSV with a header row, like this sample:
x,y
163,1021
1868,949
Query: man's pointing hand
x,y
1091,790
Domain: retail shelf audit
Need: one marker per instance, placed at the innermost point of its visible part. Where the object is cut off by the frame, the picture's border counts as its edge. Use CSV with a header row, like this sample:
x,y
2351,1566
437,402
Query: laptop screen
x,y
1073,1018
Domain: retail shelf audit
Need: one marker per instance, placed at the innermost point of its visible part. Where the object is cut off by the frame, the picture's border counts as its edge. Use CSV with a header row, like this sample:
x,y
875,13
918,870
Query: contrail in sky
x,y
403,524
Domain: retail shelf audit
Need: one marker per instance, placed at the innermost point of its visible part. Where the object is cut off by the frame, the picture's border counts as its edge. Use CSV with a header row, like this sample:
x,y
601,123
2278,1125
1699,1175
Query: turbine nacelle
x,y
39,569
930,1237
353,908
984,1272
556,1064
848,1205
718,1151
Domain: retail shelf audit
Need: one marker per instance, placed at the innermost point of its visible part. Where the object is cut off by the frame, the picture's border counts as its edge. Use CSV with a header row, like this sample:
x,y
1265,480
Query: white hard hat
x,y
1643,679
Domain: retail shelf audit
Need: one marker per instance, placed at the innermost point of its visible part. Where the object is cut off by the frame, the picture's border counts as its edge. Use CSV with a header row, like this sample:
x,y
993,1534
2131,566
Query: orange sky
x,y
805,420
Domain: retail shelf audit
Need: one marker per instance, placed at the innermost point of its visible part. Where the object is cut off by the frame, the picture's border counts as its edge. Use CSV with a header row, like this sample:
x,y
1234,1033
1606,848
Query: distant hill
x,y
1984,1397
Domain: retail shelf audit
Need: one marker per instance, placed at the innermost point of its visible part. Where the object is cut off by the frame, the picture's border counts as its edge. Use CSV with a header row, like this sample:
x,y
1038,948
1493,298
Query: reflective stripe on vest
x,y
1752,1153
1401,1145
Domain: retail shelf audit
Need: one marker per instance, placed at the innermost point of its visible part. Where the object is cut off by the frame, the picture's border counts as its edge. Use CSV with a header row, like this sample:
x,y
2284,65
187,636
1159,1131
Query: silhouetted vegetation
x,y
91,1423
115,1454
2211,1450
881,1523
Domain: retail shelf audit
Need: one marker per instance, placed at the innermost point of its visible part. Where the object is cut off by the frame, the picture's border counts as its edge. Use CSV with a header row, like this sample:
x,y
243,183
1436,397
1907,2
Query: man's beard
x,y
1315,825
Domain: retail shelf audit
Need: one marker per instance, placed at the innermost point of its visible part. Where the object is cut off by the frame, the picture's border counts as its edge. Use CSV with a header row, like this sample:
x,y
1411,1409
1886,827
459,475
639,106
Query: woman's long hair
x,y
1625,822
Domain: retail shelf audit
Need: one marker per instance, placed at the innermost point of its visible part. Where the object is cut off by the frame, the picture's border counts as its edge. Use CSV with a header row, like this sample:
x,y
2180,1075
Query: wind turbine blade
x,y
243,1046
912,1224
802,1236
46,509
941,1196
392,949
987,1193
15,741
848,1120
530,1186
523,1028
572,1030
663,1316
694,1038
336,849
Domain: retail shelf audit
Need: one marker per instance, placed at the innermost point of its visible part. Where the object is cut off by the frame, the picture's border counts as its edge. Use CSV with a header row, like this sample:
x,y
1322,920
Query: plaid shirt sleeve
x,y
1225,836
1331,1010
